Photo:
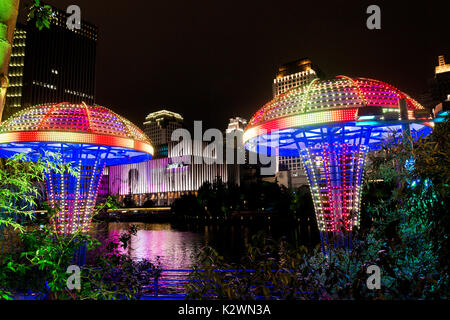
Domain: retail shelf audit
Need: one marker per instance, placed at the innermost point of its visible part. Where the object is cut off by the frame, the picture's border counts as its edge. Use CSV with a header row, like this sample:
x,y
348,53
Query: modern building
x,y
159,126
16,69
234,145
236,123
165,179
177,168
291,75
233,138
438,86
440,89
51,65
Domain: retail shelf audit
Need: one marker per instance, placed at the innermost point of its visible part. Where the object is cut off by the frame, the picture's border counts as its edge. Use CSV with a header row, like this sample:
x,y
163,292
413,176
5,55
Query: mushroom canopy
x,y
88,132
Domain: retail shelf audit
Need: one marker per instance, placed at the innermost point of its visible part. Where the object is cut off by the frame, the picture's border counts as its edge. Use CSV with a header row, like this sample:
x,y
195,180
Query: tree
x,y
19,186
432,177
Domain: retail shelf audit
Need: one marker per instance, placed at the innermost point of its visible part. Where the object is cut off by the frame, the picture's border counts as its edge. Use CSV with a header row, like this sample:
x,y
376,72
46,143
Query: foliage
x,y
128,202
40,266
41,14
188,205
103,205
116,275
432,164
405,233
219,199
20,181
19,186
412,214
276,270
301,204
148,204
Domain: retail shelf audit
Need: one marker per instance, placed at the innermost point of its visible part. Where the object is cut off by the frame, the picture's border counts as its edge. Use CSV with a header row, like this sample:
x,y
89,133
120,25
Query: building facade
x,y
178,167
233,143
164,180
293,74
51,65
440,89
236,123
159,125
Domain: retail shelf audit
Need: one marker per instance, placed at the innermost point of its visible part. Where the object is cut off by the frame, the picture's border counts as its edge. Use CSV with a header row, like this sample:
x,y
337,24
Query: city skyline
x,y
225,152
212,62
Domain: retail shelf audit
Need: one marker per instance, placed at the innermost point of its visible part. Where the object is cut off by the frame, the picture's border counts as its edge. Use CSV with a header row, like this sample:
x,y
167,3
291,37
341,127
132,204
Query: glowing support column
x,y
74,197
335,172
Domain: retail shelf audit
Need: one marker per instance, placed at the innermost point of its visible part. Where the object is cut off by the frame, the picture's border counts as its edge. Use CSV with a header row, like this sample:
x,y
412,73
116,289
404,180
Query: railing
x,y
170,285
124,210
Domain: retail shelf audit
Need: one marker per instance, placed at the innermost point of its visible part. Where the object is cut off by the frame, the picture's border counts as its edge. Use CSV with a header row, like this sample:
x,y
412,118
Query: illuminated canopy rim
x,y
66,127
343,102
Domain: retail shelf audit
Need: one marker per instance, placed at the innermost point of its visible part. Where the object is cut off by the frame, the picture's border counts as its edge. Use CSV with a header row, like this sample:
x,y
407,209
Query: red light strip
x,y
301,120
75,137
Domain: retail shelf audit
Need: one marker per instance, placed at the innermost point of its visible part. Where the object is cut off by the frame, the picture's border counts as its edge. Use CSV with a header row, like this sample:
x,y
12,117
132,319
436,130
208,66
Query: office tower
x,y
293,74
51,65
159,126
440,89
16,69
236,155
236,124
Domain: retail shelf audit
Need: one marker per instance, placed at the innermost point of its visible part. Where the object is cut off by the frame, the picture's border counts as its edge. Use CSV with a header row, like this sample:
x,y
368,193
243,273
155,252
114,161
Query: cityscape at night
x,y
234,158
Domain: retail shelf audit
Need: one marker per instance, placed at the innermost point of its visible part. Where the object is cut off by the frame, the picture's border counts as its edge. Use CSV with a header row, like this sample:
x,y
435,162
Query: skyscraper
x,y
15,74
440,88
51,65
293,74
175,169
236,124
235,147
159,126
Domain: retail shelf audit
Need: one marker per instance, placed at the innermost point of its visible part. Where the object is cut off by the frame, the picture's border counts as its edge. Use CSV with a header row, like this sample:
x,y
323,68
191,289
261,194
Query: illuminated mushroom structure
x,y
88,138
332,124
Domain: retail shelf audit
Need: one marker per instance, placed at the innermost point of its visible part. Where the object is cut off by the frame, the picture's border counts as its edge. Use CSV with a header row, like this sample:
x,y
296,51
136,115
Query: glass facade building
x,y
51,65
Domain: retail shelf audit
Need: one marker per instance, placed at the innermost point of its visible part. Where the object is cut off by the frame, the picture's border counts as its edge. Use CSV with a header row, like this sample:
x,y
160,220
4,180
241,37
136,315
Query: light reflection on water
x,y
178,247
175,249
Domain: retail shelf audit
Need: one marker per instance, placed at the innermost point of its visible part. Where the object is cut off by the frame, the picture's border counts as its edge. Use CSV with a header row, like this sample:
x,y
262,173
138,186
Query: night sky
x,y
212,60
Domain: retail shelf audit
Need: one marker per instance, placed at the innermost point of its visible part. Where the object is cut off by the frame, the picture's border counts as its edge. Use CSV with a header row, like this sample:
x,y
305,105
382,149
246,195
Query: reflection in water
x,y
174,249
178,247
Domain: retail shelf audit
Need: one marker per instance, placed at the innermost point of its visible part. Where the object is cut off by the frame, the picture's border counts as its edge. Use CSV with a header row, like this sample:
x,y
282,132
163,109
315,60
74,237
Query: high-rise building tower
x,y
440,90
236,124
51,65
293,74
235,131
16,69
236,155
438,87
159,126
